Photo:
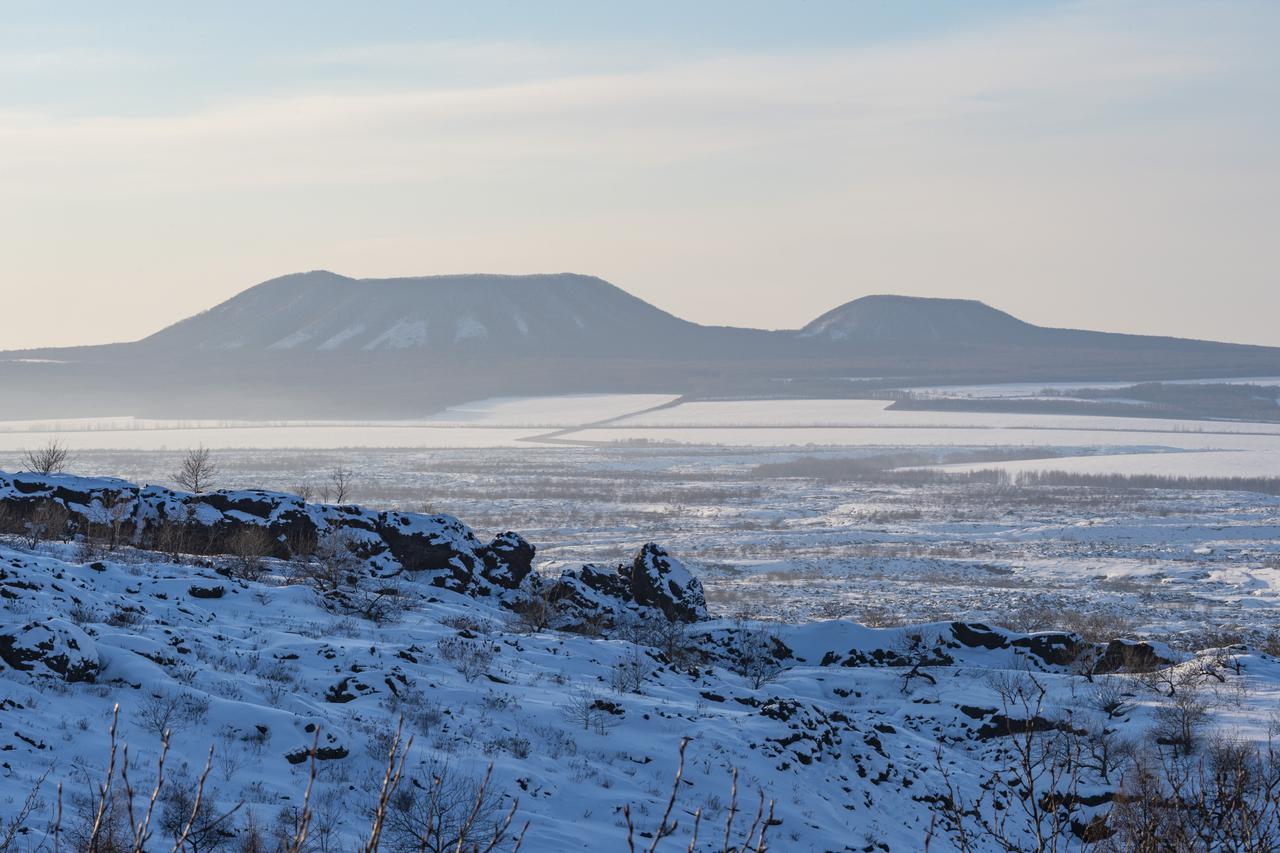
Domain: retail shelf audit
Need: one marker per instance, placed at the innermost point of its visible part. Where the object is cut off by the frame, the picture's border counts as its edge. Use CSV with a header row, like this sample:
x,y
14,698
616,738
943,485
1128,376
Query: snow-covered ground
x,y
851,574
1209,463
847,735
877,414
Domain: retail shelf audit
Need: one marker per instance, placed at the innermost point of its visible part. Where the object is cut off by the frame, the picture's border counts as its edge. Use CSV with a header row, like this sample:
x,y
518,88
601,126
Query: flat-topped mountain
x,y
917,318
324,312
319,344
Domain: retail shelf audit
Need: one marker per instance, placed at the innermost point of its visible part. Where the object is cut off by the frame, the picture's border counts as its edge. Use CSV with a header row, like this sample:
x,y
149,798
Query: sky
x,y
1110,165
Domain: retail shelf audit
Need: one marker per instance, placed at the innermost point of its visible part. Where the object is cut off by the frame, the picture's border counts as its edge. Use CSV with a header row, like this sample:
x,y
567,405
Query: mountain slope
x,y
318,344
325,312
917,319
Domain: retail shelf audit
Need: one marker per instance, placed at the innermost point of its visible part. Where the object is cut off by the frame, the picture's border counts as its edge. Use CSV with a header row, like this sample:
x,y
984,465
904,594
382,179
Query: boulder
x,y
50,647
508,560
1131,656
654,584
661,581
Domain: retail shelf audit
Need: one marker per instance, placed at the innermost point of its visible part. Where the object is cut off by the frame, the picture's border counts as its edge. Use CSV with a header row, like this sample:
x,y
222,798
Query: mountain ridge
x,y
318,344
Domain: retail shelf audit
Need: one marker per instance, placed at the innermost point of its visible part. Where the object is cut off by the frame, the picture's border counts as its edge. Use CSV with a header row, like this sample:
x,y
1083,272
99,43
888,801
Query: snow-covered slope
x,y
858,736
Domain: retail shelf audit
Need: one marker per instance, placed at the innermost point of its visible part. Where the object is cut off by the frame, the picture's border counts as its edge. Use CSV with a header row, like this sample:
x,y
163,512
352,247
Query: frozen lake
x,y
1102,444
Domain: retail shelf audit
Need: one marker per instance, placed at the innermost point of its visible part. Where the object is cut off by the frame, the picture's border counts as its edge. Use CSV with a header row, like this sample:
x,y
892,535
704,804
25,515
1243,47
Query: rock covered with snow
x,y
508,560
660,580
389,542
50,646
654,583
436,550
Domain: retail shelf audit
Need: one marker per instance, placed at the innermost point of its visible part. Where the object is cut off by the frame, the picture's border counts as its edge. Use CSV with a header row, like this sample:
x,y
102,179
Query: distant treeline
x,y
896,467
1263,485
902,469
1191,401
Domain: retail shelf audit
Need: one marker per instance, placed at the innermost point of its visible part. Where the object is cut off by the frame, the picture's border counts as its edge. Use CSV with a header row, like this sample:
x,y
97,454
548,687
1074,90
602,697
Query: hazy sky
x,y
1111,165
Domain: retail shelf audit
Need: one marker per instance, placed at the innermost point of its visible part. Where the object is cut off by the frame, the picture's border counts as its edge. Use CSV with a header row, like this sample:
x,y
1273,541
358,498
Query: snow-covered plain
x,y
1209,463
849,752
876,414
495,422
844,736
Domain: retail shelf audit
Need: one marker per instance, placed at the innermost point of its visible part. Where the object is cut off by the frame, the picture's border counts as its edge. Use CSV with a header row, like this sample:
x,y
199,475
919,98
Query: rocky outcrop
x,y
660,580
50,647
437,550
654,583
388,542
1132,656
508,560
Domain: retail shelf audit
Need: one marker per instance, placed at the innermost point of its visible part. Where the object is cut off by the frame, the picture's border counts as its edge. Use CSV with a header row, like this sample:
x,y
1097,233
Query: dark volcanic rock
x,y
1130,656
438,550
508,560
55,646
660,580
654,584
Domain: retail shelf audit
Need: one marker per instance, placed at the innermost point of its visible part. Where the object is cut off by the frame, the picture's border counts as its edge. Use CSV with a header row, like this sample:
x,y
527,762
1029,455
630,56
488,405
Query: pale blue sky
x,y
1102,164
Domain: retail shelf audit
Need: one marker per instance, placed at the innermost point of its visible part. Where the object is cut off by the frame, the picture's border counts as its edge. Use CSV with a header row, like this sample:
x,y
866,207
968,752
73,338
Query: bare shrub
x,y
197,472
754,840
171,712
471,657
340,482
249,545
175,537
104,525
533,613
190,819
757,656
1227,799
48,520
588,709
1181,717
443,810
53,458
629,674
333,564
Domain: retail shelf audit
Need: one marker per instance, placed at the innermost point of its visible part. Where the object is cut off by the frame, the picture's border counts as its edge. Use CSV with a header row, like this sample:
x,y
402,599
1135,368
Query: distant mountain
x,y
917,319
322,312
318,344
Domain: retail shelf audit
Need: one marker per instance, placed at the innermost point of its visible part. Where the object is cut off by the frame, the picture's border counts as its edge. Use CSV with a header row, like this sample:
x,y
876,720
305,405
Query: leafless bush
x,y
754,841
588,709
197,472
1030,801
48,520
1227,799
471,657
53,458
249,545
533,613
175,537
105,524
333,565
126,616
444,810
757,656
629,674
340,481
1181,717
170,712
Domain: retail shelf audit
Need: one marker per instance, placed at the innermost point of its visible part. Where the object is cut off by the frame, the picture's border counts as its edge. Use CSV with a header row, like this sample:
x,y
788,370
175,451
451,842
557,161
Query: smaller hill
x,y
905,319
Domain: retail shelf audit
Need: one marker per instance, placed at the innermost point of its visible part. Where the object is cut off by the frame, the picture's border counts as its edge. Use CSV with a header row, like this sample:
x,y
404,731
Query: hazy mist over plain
x,y
1111,165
